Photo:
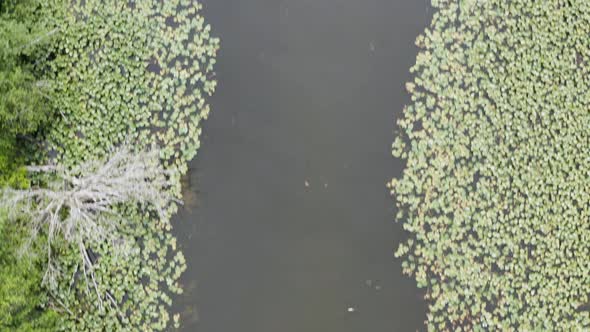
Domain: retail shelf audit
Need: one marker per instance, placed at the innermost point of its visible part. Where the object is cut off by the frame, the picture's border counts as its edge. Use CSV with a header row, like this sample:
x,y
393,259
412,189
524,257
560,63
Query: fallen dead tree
x,y
80,204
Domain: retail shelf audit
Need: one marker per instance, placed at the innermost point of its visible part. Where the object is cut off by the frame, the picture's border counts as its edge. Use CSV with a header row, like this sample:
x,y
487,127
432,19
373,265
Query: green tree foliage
x,y
24,108
21,299
23,111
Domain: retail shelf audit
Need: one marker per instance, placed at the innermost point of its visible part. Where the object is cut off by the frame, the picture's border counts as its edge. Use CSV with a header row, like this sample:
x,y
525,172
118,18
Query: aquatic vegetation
x,y
495,193
123,73
131,72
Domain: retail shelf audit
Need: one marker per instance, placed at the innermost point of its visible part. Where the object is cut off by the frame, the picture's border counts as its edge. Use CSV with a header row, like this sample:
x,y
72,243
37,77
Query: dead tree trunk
x,y
80,203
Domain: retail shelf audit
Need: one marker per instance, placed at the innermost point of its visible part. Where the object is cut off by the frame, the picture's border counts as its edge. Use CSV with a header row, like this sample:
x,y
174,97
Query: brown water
x,y
288,225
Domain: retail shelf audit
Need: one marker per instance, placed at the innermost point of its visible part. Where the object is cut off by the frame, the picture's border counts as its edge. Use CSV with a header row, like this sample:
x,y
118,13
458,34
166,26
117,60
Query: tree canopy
x,y
22,302
24,107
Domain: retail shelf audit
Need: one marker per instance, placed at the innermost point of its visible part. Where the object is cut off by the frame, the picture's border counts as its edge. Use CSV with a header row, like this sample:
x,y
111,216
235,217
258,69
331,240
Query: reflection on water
x,y
292,230
189,194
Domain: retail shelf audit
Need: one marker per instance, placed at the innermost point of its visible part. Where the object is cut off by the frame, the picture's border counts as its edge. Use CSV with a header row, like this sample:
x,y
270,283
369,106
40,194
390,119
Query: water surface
x,y
288,225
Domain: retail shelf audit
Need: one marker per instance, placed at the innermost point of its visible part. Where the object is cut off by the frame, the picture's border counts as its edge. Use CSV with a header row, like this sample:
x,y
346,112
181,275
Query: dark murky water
x,y
288,225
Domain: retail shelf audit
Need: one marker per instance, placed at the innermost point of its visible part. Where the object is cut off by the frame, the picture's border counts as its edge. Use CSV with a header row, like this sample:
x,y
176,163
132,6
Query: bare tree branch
x,y
80,203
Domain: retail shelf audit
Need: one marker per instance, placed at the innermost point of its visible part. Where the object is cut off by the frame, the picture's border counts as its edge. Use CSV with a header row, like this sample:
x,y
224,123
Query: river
x,y
288,225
